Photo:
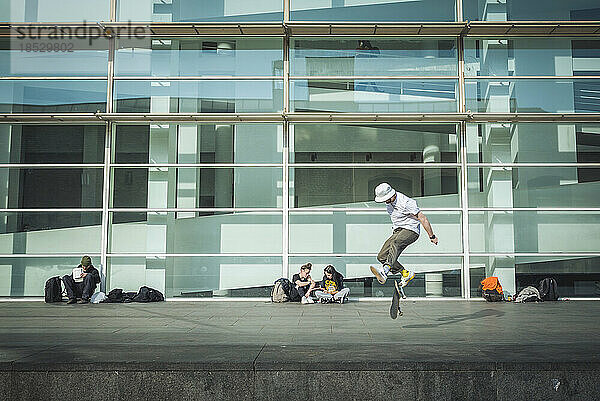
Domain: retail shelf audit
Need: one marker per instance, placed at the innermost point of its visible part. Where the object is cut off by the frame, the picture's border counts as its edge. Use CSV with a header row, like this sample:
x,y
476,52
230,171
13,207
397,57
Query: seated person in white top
x,y
406,220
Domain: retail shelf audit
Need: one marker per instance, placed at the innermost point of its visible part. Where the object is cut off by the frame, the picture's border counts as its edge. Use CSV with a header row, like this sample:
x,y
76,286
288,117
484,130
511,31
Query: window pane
x,y
533,143
25,188
69,57
529,231
32,144
26,276
435,277
533,187
197,276
532,56
213,96
200,11
369,10
533,10
575,276
52,96
533,96
376,56
160,187
365,232
355,187
199,143
370,143
221,56
50,11
50,232
162,232
374,96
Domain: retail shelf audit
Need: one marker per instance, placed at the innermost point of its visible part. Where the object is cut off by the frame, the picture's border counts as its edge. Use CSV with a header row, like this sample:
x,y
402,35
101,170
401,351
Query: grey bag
x,y
528,294
278,294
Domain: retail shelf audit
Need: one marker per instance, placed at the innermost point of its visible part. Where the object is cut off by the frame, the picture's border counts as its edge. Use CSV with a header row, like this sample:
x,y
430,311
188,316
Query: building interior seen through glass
x,y
231,142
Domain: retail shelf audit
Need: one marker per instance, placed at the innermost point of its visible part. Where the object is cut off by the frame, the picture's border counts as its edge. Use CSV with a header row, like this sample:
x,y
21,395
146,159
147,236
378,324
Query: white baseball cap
x,y
383,192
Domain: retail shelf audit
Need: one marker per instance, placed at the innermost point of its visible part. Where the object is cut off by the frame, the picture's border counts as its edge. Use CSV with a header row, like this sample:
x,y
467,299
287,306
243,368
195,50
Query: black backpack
x,y
548,289
53,290
147,294
289,289
118,296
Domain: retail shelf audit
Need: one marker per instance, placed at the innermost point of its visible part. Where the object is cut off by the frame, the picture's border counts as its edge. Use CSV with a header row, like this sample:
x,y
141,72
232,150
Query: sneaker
x,y
83,301
407,276
379,273
304,300
71,301
309,300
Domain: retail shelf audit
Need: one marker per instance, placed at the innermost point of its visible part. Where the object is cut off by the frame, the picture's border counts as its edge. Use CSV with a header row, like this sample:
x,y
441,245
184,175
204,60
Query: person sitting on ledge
x,y
84,285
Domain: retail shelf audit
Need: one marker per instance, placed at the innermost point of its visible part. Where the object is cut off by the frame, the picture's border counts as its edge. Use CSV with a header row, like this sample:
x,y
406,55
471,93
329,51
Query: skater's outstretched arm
x,y
427,226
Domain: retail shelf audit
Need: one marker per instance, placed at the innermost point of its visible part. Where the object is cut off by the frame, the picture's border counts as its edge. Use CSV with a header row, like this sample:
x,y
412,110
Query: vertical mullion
x,y
459,10
286,12
113,10
466,278
107,159
285,150
286,136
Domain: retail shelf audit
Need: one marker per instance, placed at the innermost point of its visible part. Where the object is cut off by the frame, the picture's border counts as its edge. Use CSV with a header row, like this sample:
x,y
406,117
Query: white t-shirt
x,y
403,211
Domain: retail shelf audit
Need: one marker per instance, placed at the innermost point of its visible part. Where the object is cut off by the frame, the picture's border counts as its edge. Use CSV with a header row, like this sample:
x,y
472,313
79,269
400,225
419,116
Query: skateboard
x,y
395,309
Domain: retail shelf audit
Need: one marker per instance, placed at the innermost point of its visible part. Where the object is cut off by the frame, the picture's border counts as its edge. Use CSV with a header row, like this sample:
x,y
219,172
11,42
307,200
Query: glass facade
x,y
208,148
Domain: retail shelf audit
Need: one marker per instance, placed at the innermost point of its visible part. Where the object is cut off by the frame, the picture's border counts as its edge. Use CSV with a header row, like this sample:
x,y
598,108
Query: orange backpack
x,y
491,289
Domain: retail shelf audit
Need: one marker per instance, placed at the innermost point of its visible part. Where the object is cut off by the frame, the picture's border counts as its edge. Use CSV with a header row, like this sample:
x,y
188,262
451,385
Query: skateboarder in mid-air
x,y
406,220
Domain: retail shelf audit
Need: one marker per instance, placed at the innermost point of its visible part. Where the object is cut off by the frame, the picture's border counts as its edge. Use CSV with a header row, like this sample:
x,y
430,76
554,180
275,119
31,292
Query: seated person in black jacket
x,y
332,287
85,288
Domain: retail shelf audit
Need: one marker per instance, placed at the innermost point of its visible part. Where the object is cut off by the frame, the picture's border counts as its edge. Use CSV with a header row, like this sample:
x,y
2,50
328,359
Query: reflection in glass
x,y
533,96
375,56
377,11
48,11
374,143
21,277
533,10
52,96
354,187
214,96
371,96
198,143
189,187
532,56
533,187
35,188
50,235
435,277
365,232
528,231
55,144
535,143
200,11
70,57
221,56
197,276
193,232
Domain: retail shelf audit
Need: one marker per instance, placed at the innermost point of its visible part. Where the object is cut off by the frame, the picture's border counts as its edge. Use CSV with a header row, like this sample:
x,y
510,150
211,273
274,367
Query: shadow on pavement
x,y
457,319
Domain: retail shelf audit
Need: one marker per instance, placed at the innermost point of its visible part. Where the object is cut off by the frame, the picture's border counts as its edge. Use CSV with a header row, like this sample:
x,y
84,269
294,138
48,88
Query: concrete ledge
x,y
249,384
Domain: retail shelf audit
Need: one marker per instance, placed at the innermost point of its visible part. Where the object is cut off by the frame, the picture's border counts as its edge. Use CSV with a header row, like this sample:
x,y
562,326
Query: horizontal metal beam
x,y
305,28
297,117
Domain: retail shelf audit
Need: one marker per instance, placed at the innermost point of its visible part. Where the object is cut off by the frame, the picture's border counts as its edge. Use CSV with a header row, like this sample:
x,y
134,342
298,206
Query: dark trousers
x,y
84,289
393,247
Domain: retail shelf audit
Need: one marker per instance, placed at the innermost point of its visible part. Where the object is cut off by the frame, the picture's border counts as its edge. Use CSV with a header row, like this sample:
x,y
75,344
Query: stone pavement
x,y
252,350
